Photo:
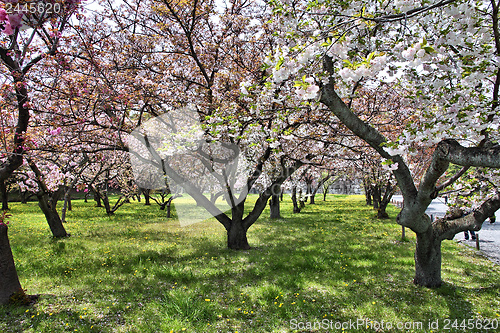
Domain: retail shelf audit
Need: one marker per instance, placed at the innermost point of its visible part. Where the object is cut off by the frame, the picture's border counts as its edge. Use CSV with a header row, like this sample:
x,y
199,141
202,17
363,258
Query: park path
x,y
489,235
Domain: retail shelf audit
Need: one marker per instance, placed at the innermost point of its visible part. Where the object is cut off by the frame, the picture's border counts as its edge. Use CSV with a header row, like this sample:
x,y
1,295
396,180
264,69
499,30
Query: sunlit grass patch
x,y
138,271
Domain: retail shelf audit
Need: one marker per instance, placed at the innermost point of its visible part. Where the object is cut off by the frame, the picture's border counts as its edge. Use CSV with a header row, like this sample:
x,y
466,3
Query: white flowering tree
x,y
444,53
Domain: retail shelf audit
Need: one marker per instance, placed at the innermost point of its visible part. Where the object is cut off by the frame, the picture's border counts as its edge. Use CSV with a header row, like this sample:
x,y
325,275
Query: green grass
x,y
140,272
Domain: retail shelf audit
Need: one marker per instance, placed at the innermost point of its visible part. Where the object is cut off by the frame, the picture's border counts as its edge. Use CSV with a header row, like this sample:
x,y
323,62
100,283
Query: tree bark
x,y
368,192
147,198
169,209
381,211
385,200
48,205
5,198
309,190
368,198
52,217
301,199
97,199
237,236
107,206
66,204
9,281
296,208
376,196
428,260
274,206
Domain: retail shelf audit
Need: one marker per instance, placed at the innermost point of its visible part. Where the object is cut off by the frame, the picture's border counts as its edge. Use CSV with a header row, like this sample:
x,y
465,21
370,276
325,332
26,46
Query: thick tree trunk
x,y
107,206
9,281
311,199
237,236
5,198
428,260
274,206
381,212
52,217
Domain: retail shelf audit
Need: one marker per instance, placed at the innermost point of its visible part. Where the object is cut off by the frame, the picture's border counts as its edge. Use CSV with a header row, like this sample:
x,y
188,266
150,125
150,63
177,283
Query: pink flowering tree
x,y
26,39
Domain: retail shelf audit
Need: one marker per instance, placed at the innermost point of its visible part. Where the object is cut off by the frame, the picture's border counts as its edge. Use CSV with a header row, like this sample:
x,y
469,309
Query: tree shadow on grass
x,y
458,306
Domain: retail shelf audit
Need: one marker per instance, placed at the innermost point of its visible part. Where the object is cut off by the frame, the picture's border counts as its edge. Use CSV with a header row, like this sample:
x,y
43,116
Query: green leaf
x,y
429,49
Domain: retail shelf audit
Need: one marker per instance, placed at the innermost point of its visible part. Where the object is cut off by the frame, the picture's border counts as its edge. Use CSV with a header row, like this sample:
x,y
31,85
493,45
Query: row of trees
x,y
374,86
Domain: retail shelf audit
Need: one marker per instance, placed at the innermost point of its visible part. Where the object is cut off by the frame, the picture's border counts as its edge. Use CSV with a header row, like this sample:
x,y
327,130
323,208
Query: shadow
x,y
458,306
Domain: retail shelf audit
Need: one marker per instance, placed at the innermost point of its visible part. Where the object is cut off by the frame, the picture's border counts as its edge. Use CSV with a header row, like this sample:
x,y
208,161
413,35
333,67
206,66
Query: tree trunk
x,y
97,199
24,196
368,192
381,212
169,209
48,205
301,200
296,208
385,200
274,206
5,199
9,281
147,198
237,236
376,196
52,217
311,199
66,205
309,191
428,260
368,195
107,206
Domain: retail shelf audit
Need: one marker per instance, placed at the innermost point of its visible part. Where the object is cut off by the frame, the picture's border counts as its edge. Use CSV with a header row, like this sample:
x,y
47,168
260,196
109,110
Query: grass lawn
x,y
333,264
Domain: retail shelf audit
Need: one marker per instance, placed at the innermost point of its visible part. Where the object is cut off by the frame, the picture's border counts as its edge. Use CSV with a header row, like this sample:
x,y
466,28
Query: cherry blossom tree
x,y
205,53
25,40
444,53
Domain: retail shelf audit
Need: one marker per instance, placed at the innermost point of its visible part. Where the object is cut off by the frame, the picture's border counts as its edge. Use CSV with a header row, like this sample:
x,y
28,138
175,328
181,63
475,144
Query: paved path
x,y
489,235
